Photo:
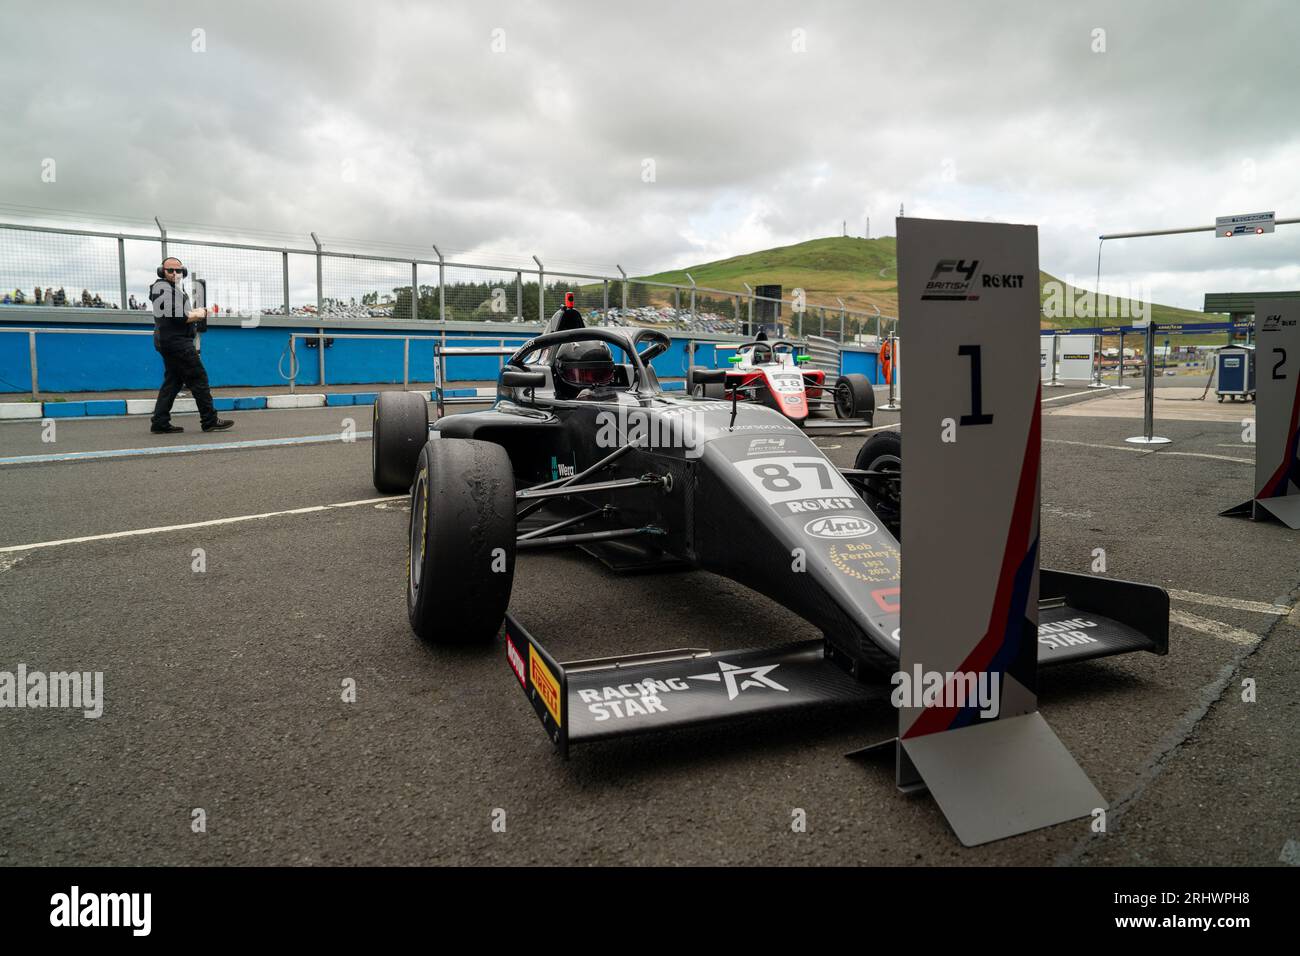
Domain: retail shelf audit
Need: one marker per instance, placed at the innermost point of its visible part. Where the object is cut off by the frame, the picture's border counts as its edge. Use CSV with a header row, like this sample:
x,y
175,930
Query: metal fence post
x,y
284,266
749,323
442,286
320,306
541,291
843,316
31,357
121,270
624,275
519,296
293,363
406,362
605,307
415,292
162,230
692,281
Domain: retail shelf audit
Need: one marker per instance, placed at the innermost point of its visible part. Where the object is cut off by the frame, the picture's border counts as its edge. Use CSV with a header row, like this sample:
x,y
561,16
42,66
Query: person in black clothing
x,y
174,328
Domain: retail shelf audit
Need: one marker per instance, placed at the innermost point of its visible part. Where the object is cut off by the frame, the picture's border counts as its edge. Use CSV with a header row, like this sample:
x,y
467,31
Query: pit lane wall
x,y
239,356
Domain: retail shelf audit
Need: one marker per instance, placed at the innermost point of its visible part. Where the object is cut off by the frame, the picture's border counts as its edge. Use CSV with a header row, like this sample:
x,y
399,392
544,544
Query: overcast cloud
x,y
400,122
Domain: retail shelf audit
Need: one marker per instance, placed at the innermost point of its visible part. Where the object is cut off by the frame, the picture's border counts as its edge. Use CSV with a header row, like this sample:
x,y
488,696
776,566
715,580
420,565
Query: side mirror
x,y
734,360
514,378
803,358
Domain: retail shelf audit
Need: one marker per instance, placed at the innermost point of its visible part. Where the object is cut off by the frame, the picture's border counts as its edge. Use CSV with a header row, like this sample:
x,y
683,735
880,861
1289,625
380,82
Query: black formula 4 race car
x,y
641,480
771,373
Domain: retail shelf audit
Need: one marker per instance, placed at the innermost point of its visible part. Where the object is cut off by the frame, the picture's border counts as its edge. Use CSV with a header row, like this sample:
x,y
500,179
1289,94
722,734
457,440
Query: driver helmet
x,y
582,365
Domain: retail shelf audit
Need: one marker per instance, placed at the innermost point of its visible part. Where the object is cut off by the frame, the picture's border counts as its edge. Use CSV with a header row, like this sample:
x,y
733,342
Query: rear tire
x,y
883,452
460,561
855,398
399,428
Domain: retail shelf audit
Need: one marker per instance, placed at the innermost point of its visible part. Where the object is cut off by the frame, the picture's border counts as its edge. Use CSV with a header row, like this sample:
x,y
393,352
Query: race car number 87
x,y
783,479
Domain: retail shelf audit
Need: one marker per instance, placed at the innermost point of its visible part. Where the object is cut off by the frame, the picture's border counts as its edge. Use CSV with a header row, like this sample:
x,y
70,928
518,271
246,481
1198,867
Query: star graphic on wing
x,y
742,678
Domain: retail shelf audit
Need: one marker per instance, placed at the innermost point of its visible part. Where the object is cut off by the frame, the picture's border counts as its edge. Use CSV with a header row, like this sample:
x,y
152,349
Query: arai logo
x,y
839,526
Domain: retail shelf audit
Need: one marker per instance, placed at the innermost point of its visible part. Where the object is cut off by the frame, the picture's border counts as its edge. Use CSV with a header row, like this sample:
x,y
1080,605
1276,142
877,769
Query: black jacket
x,y
170,304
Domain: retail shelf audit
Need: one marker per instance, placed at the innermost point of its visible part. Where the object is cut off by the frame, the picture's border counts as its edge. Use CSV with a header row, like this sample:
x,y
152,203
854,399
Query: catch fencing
x,y
68,268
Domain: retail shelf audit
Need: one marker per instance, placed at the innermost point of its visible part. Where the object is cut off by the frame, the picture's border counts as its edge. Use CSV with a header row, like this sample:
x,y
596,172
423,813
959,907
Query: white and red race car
x,y
771,373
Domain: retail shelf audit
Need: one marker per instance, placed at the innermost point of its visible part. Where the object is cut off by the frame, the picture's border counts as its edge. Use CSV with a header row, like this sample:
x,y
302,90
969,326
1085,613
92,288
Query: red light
x,y
1228,234
1259,230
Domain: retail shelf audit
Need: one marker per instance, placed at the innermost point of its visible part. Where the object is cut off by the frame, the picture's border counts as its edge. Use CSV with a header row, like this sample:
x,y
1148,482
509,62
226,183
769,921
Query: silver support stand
x,y
1148,398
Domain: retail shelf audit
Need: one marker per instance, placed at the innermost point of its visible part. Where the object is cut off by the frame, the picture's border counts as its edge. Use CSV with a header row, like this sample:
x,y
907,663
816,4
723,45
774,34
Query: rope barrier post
x,y
1056,347
1148,399
1096,382
406,362
1119,386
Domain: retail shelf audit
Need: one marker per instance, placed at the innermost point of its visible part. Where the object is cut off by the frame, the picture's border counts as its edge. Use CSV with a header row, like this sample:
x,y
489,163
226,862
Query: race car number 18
x,y
784,479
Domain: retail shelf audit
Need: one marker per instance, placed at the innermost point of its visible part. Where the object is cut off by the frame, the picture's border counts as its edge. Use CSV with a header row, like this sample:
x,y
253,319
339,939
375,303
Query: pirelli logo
x,y
544,682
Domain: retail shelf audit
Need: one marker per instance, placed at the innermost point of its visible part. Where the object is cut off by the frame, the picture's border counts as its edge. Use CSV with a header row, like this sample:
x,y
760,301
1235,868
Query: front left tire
x,y
460,562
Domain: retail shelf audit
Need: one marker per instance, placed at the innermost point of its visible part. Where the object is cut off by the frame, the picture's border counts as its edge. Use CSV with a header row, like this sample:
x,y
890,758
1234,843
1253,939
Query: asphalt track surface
x,y
223,688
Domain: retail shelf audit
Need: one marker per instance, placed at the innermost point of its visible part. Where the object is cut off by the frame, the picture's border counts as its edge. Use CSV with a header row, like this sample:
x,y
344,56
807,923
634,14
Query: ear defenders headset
x,y
184,271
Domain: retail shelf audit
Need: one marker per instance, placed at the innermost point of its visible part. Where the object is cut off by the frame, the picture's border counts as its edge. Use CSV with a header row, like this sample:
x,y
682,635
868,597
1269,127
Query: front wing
x,y
582,701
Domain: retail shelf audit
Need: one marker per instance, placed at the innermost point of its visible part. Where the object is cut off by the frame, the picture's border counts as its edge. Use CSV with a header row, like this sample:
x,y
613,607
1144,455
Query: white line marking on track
x,y
1224,632
1259,607
1057,398
312,509
178,449
8,561
1147,451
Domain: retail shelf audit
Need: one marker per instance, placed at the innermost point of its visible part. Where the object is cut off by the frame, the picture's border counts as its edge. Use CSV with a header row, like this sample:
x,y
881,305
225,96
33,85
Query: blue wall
x,y
258,357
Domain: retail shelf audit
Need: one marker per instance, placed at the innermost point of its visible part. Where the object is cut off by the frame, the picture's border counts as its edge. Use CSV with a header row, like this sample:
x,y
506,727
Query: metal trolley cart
x,y
1235,369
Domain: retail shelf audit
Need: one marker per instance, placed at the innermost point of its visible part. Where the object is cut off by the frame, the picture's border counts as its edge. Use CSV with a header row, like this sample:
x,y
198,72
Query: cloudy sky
x,y
499,130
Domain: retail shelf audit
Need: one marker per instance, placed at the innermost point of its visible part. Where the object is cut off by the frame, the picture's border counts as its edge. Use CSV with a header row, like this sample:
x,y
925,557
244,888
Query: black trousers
x,y
183,369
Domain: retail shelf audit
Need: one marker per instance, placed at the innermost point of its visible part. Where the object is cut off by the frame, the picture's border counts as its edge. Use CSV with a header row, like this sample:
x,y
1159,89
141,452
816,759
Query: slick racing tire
x,y
461,548
855,398
399,428
883,452
702,390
